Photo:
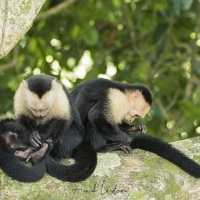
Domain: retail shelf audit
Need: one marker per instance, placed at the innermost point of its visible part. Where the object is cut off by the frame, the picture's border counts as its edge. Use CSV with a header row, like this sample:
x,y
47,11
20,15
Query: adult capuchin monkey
x,y
12,144
105,108
43,106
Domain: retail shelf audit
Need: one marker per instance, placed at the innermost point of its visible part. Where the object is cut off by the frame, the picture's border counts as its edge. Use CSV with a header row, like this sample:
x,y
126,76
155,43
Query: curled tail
x,y
166,151
13,167
85,162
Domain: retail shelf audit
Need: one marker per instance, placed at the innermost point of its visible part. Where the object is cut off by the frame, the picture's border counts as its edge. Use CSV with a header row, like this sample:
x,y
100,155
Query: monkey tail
x,y
85,162
166,151
14,168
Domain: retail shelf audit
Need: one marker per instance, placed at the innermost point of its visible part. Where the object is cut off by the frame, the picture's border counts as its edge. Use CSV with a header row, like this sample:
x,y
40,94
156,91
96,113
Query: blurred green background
x,y
155,43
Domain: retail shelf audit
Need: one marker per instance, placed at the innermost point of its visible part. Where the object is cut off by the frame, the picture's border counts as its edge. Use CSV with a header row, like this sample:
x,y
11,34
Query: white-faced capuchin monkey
x,y
43,106
105,108
13,141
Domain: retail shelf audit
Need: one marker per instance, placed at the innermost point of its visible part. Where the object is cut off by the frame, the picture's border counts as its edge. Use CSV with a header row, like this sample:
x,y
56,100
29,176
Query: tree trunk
x,y
16,17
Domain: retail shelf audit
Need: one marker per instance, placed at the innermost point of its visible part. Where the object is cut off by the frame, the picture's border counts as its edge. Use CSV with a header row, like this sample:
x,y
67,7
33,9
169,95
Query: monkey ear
x,y
134,95
24,83
54,84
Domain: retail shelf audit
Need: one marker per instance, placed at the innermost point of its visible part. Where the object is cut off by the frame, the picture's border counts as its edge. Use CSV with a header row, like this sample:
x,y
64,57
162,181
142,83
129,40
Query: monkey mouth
x,y
128,121
39,115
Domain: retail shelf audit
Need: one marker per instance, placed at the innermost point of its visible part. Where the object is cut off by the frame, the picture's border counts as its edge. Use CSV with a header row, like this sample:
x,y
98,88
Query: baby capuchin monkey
x,y
43,106
106,107
13,142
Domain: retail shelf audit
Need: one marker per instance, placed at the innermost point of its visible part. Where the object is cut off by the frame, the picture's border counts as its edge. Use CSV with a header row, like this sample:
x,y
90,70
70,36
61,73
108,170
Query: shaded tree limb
x,y
3,31
55,10
13,62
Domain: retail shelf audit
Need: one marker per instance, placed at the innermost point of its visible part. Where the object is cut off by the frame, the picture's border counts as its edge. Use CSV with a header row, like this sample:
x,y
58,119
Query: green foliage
x,y
135,41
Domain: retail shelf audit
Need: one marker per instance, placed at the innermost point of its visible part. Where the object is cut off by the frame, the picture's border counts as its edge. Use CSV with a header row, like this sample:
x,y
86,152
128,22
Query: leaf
x,y
75,31
186,4
190,109
177,7
91,37
180,5
197,66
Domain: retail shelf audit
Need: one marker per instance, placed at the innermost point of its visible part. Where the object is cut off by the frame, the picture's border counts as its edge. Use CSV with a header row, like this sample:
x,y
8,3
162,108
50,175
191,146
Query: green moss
x,y
139,194
158,184
141,176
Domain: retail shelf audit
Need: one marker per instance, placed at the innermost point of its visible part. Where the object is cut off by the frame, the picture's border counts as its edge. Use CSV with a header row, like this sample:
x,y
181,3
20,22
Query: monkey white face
x,y
125,106
39,107
138,107
52,104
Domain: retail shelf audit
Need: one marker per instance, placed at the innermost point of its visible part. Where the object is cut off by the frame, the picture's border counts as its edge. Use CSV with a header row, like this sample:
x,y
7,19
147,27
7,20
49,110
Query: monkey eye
x,y
21,148
46,109
33,109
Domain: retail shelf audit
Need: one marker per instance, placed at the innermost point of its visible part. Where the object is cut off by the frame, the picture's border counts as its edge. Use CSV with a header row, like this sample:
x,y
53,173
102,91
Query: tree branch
x,y
13,62
55,10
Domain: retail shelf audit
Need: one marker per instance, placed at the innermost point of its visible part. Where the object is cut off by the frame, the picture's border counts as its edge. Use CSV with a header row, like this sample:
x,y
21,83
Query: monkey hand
x,y
37,155
34,139
137,128
49,141
24,154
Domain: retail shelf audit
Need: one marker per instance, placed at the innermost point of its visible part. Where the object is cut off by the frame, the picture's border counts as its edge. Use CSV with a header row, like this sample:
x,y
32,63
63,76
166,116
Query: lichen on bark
x,y
16,18
140,175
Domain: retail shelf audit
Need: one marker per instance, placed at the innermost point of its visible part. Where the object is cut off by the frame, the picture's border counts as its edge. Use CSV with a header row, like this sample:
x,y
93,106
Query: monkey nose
x,y
41,115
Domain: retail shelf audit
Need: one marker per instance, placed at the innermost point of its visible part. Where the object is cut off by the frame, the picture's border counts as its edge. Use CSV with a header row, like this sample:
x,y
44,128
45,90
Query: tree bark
x,y
16,18
138,176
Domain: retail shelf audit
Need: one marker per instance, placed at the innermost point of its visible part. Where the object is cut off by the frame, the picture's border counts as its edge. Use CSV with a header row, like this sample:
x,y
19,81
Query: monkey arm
x,y
115,138
108,135
31,133
32,154
38,155
46,139
108,130
49,133
101,144
35,139
55,130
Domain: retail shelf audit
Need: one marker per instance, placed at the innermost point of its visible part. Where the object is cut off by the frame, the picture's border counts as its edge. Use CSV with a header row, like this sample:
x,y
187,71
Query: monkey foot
x,y
117,146
24,154
37,155
49,141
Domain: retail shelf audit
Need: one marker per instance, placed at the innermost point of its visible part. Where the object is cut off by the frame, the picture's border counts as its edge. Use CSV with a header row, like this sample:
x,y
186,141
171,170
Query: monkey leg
x,y
24,154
